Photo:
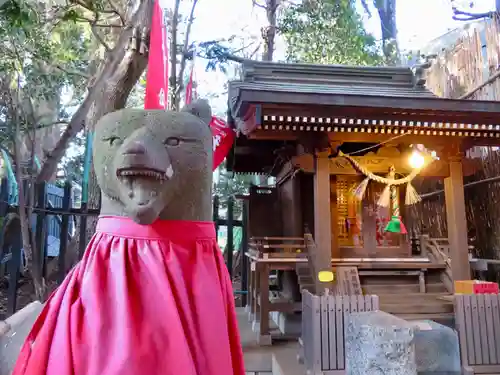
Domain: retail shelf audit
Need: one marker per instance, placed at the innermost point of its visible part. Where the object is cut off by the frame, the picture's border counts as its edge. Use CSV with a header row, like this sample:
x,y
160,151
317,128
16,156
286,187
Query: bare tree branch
x,y
93,10
459,15
99,38
93,21
182,67
50,63
115,8
71,71
173,56
119,63
256,4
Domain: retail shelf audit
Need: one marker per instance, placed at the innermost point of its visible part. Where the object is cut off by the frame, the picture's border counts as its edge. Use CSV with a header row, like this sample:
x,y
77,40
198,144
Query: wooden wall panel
x,y
264,212
291,207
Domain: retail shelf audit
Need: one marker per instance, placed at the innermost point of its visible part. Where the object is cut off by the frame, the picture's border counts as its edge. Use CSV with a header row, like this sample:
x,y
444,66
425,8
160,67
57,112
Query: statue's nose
x,y
134,148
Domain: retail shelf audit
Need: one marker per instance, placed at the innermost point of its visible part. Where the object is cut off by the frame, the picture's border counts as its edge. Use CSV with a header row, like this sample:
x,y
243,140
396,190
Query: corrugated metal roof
x,y
330,79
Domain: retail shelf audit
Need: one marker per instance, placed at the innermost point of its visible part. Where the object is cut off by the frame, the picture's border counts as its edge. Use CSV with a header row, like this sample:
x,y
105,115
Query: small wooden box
x,y
475,287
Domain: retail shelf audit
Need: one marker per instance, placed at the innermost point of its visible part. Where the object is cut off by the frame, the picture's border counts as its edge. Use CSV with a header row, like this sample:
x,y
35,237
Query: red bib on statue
x,y
153,299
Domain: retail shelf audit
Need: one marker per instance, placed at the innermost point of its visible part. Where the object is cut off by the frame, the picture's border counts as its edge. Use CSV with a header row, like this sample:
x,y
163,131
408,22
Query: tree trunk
x,y
269,32
119,82
387,13
33,256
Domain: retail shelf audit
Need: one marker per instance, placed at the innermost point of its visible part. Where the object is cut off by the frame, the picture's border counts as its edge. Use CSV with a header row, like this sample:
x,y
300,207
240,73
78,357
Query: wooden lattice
x,y
348,210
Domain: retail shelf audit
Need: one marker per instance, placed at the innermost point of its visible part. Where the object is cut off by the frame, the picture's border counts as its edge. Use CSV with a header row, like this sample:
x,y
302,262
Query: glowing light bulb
x,y
416,160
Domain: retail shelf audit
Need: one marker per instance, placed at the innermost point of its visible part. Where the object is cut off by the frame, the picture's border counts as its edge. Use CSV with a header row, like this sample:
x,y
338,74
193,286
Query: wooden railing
x,y
318,262
438,251
277,247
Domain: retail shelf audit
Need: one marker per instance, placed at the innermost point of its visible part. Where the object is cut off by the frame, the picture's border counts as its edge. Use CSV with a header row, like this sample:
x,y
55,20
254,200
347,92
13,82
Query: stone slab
x,y
378,343
289,324
19,327
436,348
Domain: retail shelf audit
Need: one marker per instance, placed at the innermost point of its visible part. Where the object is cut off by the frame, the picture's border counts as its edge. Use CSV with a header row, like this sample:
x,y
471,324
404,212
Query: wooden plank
x,y
348,280
325,335
278,238
345,310
368,303
283,246
486,370
339,321
481,312
460,326
332,332
263,288
490,329
389,273
496,324
361,303
469,330
316,335
476,331
353,303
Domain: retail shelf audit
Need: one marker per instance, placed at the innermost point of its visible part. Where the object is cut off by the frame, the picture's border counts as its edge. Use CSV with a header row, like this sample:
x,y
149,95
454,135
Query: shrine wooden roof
x,y
311,97
288,102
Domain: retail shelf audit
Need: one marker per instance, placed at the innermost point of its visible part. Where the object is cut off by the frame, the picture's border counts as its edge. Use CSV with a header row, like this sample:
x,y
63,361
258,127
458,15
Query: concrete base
x,y
251,317
265,340
256,325
288,324
436,348
11,342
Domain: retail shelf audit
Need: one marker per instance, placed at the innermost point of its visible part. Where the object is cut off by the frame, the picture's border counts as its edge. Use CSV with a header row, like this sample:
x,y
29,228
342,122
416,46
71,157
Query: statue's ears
x,y
200,108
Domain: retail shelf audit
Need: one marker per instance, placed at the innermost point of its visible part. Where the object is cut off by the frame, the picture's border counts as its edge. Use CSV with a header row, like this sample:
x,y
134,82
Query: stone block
x,y
12,340
378,343
436,348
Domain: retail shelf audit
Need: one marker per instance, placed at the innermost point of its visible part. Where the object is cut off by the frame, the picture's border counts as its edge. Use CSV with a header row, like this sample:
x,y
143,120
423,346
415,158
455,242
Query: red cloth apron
x,y
153,299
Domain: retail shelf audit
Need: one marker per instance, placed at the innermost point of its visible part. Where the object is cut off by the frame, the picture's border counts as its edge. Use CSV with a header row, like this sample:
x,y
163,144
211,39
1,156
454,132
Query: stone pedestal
x,y
436,348
377,343
11,341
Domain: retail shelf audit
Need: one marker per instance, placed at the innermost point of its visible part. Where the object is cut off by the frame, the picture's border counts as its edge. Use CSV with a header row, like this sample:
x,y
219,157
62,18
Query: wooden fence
x,y
468,69
323,336
54,218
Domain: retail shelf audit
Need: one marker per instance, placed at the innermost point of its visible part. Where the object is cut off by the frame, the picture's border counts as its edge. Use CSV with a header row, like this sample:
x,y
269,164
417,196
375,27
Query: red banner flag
x,y
157,75
223,138
189,87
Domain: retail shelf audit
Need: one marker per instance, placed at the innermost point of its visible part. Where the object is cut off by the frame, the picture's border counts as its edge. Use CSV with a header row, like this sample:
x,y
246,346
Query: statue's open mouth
x,y
149,173
142,184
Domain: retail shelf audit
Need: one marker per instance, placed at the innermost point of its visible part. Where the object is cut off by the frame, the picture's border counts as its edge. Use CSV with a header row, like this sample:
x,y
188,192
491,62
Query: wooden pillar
x,y
457,222
334,215
322,215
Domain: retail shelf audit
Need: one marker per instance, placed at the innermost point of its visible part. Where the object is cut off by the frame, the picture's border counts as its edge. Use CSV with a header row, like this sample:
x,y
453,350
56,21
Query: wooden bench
x,y
323,329
477,319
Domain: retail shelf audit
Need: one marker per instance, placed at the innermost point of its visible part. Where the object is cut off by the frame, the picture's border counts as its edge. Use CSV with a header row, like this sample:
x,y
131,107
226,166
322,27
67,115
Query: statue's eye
x,y
172,141
112,140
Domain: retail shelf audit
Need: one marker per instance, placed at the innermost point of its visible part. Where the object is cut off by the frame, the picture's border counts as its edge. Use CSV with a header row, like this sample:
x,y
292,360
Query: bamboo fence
x,y
468,70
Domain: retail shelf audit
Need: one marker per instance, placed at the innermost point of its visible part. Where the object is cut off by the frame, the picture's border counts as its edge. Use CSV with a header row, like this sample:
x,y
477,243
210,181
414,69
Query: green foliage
x,y
327,32
231,184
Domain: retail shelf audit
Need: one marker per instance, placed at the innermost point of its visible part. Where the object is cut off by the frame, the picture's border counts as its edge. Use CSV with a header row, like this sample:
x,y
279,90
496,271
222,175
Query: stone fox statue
x,y
152,294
